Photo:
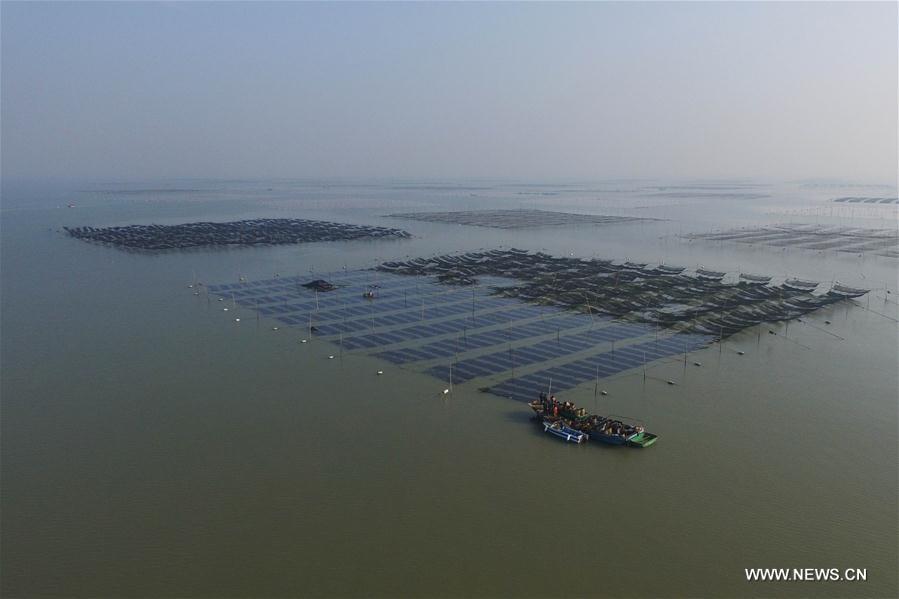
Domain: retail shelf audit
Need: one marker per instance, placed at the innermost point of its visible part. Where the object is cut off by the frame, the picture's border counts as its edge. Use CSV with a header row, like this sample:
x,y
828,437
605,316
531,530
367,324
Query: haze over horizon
x,y
584,91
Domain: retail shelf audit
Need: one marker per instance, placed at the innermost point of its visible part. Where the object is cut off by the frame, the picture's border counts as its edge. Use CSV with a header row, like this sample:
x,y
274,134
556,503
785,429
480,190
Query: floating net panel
x,y
515,331
543,351
606,364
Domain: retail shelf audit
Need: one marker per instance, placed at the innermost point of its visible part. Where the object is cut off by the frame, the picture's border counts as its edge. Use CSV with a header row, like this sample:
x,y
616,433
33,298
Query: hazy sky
x,y
532,91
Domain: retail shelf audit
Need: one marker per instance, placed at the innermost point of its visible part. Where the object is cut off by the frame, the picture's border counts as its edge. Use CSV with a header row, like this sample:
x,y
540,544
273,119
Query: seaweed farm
x,y
866,200
264,231
879,242
515,219
661,295
516,321
369,404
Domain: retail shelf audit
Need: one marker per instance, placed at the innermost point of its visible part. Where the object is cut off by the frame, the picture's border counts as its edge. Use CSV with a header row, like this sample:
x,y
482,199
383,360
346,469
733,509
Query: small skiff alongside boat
x,y
563,431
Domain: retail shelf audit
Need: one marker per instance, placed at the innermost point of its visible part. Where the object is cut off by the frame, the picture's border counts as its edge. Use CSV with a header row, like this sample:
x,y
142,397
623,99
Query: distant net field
x,y
880,242
866,200
515,219
563,320
264,231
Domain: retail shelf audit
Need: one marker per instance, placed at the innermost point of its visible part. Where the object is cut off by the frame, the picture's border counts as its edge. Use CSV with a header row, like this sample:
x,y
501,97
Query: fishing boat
x,y
845,291
611,439
563,431
800,285
608,430
663,269
754,279
633,266
566,417
711,275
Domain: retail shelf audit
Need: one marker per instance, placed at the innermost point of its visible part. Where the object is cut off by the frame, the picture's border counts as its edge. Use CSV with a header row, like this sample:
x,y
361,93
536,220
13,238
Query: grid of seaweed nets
x,y
663,295
263,231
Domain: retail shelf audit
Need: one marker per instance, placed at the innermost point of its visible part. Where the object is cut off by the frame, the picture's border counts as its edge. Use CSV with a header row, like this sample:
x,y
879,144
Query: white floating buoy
x,y
697,363
330,357
236,320
742,353
224,309
603,392
221,299
670,382
380,372
302,341
445,391
274,328
190,286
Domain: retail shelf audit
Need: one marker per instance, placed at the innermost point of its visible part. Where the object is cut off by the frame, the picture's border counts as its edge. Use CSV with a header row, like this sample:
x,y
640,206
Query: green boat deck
x,y
643,439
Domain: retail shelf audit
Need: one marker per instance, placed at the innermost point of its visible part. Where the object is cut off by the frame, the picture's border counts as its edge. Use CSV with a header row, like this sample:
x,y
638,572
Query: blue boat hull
x,y
566,434
610,439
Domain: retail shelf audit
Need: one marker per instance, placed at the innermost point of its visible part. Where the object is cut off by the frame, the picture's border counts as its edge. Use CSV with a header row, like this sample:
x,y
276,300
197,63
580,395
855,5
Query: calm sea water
x,y
153,447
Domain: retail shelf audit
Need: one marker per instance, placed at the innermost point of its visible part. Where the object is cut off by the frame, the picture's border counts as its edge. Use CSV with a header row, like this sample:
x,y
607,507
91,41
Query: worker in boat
x,y
556,410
